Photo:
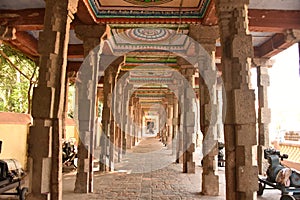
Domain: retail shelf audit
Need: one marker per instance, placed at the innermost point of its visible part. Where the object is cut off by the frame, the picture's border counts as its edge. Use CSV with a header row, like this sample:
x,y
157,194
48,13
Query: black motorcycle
x,y
279,176
69,154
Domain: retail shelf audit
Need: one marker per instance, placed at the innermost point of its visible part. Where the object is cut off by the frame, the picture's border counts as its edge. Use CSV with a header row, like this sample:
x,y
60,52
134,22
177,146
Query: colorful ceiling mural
x,y
142,9
149,34
148,39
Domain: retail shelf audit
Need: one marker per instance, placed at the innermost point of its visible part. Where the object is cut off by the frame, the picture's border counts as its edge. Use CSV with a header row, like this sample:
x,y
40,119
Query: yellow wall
x,y
71,132
14,142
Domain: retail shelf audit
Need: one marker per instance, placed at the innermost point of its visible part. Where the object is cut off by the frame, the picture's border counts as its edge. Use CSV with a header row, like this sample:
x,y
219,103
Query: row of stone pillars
x,y
48,102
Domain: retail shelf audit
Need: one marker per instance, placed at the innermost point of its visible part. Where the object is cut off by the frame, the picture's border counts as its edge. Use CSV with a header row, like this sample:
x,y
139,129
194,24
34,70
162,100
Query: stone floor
x,y
147,172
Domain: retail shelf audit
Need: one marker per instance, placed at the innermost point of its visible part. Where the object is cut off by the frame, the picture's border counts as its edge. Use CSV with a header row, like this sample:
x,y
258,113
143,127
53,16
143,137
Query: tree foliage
x,y
18,74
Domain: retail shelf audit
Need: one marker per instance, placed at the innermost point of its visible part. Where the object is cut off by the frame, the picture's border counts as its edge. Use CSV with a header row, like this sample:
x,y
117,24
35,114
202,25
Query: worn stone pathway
x,y
147,172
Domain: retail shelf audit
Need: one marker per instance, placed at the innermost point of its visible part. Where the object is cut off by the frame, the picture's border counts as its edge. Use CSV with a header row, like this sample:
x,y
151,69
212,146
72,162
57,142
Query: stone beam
x,y
277,43
257,53
24,19
273,20
26,43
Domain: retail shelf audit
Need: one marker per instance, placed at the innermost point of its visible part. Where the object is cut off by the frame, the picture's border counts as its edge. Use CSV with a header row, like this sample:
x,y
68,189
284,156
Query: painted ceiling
x,y
147,39
147,8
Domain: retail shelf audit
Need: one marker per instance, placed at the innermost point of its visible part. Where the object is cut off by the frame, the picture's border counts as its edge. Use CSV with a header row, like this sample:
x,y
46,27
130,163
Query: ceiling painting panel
x,y
150,9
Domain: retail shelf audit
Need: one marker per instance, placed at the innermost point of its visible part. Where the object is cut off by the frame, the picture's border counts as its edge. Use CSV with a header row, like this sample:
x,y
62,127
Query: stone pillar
x,y
240,119
140,121
134,116
114,68
179,140
138,115
264,112
125,114
220,126
207,36
175,127
163,122
129,124
88,73
188,115
169,101
106,141
105,122
45,136
119,112
170,121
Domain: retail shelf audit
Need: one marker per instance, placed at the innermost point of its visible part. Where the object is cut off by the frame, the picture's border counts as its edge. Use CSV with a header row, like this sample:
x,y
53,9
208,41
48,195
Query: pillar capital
x,y
90,35
205,35
89,31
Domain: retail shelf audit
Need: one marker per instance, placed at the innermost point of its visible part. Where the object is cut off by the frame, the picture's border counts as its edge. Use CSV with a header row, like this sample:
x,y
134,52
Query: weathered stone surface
x,y
246,183
265,115
208,184
244,102
245,134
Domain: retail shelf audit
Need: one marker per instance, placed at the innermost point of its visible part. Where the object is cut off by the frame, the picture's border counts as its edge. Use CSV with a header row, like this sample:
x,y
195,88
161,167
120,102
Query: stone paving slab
x,y
161,179
148,173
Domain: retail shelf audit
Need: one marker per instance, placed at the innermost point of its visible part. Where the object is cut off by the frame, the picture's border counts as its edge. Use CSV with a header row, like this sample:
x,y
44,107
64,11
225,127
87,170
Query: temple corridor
x,y
176,71
148,172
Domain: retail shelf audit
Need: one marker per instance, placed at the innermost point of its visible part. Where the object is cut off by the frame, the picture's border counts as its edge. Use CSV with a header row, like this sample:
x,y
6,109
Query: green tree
x,y
18,75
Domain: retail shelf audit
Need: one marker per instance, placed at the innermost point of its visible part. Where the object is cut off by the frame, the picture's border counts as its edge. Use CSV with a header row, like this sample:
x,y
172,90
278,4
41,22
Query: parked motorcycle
x,y
69,156
279,176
